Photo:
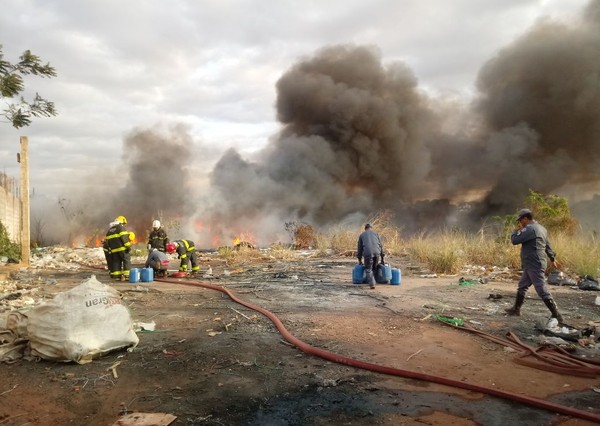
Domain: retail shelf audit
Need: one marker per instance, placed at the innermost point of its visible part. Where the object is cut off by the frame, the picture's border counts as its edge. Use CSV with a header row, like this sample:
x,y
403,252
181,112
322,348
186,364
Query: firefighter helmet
x,y
121,219
171,247
156,224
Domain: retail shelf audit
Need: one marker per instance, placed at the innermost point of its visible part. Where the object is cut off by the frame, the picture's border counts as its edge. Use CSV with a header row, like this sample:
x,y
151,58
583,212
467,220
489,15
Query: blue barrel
x,y
134,275
147,275
383,274
396,276
358,274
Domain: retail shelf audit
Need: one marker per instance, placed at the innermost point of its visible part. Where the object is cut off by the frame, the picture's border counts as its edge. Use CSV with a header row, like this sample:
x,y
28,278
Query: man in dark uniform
x,y
371,248
186,250
158,237
535,246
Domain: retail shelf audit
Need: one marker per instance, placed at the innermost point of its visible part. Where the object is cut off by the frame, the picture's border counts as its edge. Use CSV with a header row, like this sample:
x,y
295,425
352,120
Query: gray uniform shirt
x,y
155,255
369,244
534,246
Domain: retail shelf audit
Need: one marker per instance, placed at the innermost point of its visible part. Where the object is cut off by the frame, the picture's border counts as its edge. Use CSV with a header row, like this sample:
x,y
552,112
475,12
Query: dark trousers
x,y
119,264
192,258
371,268
535,277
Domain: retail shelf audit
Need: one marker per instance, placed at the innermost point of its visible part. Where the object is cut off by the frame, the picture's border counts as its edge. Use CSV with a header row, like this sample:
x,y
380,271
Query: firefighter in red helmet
x,y
186,251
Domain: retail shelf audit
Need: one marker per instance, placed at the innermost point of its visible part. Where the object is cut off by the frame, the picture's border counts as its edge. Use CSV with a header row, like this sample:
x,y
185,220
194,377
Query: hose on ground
x,y
330,356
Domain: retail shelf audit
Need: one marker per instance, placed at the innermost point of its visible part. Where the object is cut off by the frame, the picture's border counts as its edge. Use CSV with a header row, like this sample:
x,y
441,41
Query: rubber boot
x,y
551,304
516,310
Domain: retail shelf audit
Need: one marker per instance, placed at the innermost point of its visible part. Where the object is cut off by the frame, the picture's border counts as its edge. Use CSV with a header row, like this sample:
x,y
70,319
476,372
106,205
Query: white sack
x,y
80,324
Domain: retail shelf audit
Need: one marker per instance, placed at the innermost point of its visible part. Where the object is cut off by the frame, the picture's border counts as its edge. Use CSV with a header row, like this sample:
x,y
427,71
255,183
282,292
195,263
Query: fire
x,y
244,238
82,240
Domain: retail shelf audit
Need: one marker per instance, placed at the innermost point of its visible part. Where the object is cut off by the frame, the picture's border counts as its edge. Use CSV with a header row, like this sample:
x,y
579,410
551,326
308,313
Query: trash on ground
x,y
453,321
588,283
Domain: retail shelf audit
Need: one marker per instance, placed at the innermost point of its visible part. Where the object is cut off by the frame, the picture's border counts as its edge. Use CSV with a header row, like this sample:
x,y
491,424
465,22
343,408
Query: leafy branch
x,y
20,112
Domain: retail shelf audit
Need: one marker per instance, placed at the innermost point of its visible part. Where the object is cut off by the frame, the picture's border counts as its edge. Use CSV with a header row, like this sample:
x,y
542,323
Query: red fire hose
x,y
305,347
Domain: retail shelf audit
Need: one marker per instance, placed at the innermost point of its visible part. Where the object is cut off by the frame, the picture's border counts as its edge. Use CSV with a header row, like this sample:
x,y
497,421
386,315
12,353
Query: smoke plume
x,y
359,136
152,180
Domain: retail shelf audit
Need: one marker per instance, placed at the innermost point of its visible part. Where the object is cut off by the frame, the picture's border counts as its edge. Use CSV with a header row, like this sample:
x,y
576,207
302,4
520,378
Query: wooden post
x,y
25,219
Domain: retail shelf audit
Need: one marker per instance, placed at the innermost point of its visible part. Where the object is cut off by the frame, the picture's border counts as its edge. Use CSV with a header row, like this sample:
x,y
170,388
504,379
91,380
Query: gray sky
x,y
210,67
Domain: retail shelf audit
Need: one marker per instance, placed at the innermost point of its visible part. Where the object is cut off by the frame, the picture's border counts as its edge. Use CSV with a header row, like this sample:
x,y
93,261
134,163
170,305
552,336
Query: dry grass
x,y
448,252
578,254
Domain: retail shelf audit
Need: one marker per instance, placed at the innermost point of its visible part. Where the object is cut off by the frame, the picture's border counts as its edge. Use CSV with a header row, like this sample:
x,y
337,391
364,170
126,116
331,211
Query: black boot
x,y
516,310
551,304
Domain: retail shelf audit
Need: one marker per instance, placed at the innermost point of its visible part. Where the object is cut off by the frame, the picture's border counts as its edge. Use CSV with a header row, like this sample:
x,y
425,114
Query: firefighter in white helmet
x,y
158,238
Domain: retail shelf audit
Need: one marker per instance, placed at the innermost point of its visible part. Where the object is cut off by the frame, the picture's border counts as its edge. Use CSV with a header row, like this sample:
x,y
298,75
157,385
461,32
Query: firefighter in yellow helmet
x,y
118,240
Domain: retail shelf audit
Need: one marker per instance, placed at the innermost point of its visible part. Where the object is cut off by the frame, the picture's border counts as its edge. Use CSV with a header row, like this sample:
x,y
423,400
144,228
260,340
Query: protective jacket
x,y
117,238
534,246
158,239
186,251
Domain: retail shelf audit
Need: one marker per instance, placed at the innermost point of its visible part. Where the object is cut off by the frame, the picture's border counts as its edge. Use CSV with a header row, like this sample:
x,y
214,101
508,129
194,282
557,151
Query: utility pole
x,y
25,219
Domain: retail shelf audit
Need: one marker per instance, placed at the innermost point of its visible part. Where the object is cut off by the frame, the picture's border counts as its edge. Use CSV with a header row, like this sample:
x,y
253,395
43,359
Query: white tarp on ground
x,y
78,325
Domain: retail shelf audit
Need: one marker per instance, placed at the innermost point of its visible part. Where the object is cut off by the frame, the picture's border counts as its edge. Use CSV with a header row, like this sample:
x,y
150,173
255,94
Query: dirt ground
x,y
211,361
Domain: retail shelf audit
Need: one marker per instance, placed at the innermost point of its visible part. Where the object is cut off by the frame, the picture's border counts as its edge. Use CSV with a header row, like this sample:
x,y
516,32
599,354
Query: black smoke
x,y
360,136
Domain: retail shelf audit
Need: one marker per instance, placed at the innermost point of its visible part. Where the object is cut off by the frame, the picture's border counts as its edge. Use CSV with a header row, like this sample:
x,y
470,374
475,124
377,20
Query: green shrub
x,y
7,247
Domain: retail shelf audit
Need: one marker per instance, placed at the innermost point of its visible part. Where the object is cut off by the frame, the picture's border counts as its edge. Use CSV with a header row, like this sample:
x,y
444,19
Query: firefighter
x,y
186,250
158,237
119,245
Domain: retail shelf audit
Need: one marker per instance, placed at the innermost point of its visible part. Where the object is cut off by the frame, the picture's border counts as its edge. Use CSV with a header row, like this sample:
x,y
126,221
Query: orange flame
x,y
244,237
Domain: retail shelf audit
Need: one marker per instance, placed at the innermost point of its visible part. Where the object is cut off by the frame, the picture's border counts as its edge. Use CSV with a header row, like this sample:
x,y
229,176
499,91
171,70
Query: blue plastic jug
x,y
396,276
134,275
147,275
358,274
384,273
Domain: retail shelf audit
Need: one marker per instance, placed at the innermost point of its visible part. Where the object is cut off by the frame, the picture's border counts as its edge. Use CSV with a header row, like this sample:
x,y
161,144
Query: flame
x,y
86,241
244,237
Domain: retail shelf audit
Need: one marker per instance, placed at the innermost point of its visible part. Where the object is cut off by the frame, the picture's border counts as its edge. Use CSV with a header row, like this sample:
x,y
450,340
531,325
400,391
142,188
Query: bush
x,y
7,247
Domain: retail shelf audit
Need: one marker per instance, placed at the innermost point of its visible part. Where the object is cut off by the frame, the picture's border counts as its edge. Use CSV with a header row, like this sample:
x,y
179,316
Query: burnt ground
x,y
211,361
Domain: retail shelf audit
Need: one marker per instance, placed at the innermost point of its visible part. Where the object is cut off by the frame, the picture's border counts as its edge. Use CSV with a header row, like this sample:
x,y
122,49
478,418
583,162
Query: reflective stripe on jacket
x,y
184,247
117,238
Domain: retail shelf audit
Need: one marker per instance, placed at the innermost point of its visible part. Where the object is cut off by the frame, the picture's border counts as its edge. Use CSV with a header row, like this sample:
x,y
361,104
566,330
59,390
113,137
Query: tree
x,y
551,210
20,112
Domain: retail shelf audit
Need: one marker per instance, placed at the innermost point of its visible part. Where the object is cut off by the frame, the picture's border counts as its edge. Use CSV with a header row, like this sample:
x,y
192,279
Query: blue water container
x,y
358,274
384,273
147,275
134,275
396,276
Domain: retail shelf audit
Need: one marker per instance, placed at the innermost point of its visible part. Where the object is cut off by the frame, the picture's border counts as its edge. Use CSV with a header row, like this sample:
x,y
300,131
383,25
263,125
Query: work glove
x,y
149,247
